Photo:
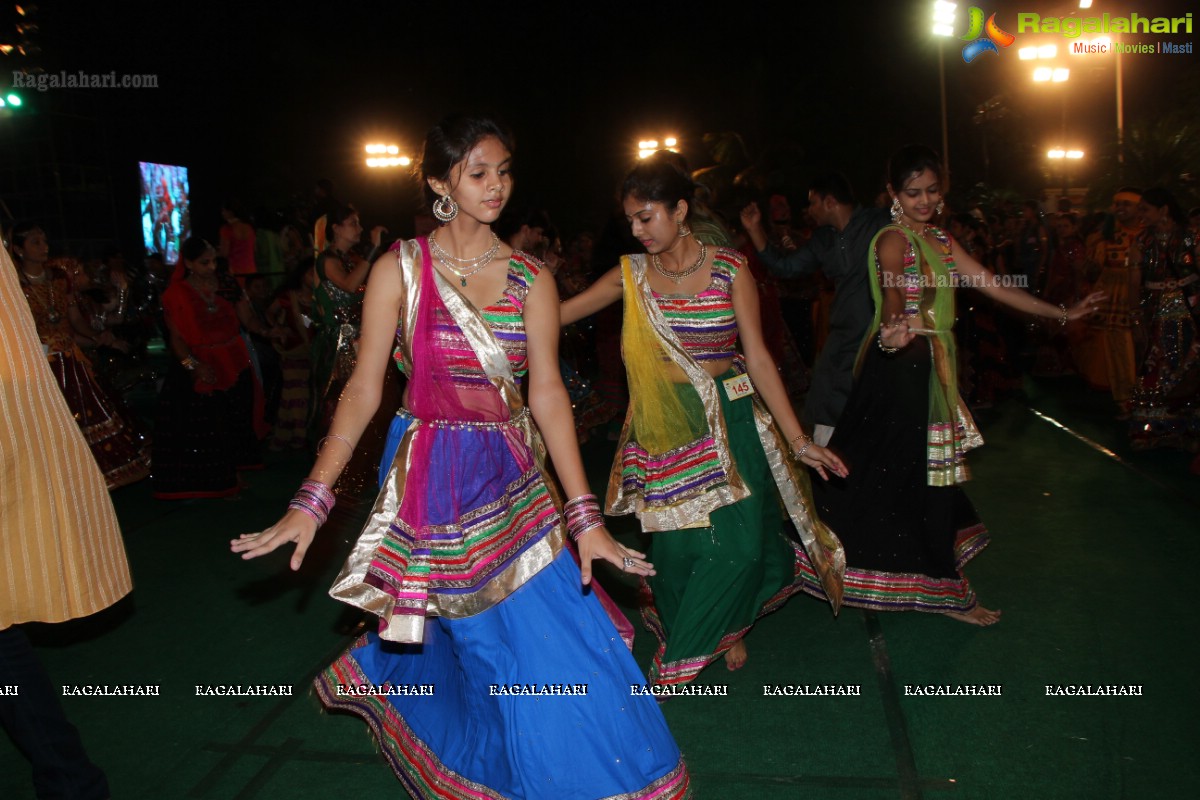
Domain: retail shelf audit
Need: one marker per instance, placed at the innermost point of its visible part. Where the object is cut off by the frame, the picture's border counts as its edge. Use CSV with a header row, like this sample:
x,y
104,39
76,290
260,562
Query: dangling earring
x,y
941,206
897,210
683,230
445,209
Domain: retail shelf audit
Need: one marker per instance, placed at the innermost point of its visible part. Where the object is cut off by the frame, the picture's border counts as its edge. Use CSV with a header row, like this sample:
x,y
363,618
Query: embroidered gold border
x,y
691,512
350,585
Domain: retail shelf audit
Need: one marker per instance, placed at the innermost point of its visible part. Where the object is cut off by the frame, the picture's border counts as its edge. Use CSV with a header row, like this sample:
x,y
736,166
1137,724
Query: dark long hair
x,y
451,140
910,161
337,216
664,178
21,231
190,250
661,178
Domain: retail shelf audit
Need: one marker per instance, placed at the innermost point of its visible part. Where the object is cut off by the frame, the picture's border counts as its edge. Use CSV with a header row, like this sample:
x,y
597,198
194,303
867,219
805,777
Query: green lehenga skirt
x,y
714,582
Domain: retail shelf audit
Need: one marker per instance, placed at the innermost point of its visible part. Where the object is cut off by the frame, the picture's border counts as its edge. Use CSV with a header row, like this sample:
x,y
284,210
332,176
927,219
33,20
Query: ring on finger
x,y
627,562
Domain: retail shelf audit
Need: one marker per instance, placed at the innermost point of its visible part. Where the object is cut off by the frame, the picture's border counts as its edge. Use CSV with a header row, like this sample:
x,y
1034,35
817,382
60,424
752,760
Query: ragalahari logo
x,y
987,43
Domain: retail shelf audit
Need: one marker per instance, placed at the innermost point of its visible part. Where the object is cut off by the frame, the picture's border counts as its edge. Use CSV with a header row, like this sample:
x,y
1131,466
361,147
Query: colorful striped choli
x,y
505,319
465,515
704,323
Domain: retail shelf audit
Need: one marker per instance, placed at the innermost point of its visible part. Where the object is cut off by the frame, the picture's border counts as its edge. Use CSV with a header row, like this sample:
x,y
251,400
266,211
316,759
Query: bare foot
x,y
977,616
735,657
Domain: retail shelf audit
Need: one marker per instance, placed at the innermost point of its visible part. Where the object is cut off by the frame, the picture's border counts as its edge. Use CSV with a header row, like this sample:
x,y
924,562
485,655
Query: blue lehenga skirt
x,y
535,698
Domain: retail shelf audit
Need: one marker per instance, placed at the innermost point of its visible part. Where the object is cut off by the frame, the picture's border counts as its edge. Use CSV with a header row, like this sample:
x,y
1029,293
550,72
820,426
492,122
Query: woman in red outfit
x,y
205,431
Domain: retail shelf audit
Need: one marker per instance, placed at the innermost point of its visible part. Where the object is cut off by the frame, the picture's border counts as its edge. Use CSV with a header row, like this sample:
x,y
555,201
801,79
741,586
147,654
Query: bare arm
x,y
765,377
346,281
890,250
786,264
551,407
203,371
600,295
752,223
984,279
357,405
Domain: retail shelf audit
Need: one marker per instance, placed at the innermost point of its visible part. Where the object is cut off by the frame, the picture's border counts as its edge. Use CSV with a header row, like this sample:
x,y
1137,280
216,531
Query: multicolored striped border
x,y
415,764
877,590
686,670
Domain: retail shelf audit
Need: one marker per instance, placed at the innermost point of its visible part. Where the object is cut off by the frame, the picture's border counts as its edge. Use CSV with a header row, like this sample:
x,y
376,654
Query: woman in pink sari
x,y
494,656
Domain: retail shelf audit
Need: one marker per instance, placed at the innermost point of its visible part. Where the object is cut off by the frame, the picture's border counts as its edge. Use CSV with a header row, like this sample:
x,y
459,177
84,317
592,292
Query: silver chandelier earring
x,y
896,210
683,230
941,206
444,208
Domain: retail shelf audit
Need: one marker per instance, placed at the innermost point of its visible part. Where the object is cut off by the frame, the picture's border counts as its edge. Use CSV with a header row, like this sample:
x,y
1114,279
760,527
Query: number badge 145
x,y
738,386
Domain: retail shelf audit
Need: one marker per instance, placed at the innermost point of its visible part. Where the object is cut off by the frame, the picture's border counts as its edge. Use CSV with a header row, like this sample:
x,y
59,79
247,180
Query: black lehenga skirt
x,y
201,439
905,541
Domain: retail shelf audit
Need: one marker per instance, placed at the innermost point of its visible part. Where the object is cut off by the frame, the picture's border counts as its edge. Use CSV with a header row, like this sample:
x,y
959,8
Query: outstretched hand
x,y
1087,306
824,461
296,526
599,543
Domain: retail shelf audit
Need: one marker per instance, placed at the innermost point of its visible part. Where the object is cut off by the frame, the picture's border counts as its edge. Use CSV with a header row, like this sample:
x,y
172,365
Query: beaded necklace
x,y
46,279
466,266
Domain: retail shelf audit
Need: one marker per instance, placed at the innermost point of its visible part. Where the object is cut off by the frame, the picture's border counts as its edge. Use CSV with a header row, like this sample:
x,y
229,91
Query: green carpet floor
x,y
1085,535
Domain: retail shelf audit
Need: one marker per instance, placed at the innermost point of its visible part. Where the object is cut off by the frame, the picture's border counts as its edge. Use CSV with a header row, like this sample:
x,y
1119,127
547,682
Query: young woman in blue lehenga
x,y
488,630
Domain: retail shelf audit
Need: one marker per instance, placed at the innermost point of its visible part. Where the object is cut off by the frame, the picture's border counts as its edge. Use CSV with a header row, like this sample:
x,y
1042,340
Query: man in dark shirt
x,y
838,248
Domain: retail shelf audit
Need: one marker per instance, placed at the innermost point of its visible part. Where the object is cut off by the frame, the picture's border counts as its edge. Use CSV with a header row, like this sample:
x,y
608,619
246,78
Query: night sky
x,y
260,99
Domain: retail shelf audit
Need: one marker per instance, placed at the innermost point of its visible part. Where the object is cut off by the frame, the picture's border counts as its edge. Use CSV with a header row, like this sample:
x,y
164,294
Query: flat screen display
x,y
166,222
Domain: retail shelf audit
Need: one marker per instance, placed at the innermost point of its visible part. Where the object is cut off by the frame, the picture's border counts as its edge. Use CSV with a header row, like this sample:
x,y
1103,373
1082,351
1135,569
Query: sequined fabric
x,y
122,451
1166,396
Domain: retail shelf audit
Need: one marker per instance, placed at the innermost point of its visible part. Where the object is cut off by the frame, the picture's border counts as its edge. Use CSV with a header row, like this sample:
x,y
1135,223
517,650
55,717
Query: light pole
x,y
943,26
1057,75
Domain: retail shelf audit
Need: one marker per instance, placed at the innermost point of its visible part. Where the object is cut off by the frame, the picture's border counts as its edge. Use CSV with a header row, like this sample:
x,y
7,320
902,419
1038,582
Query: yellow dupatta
x,y
657,364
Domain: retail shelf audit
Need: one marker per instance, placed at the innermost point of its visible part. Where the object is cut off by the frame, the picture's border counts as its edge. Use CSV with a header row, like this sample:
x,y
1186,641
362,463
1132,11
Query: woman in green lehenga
x,y
701,460
341,275
337,311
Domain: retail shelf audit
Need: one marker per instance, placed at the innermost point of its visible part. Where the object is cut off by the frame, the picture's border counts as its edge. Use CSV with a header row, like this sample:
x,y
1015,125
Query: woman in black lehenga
x,y
903,518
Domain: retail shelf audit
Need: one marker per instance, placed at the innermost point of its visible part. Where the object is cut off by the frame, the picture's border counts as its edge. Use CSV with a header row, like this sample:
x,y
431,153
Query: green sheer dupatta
x,y
929,281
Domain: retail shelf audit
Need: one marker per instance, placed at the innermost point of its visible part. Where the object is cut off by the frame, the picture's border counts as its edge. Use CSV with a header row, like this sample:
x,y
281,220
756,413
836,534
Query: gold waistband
x,y
516,420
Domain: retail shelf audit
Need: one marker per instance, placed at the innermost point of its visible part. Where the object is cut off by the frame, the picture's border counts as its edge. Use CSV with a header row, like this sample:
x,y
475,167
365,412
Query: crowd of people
x,y
450,378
